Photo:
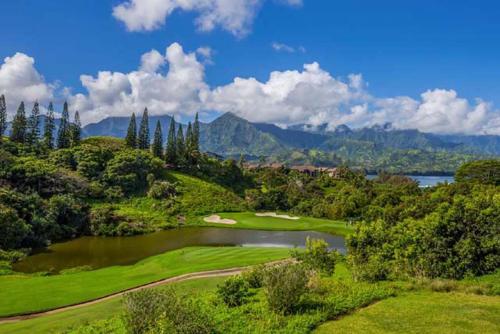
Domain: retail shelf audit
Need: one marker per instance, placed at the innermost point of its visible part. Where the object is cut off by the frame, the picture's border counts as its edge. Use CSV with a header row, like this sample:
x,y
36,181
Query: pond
x,y
99,252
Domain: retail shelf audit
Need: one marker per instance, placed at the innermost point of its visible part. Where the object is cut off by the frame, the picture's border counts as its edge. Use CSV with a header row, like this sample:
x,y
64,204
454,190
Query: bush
x,y
162,190
163,311
233,291
317,256
113,193
143,308
255,276
285,284
103,221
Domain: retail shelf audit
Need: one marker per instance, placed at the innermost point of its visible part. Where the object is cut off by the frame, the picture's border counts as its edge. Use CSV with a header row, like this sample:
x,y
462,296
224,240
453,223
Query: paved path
x,y
185,277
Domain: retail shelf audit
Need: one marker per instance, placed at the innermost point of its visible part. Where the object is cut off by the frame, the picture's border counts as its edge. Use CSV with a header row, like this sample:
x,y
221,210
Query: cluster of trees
x,y
26,129
180,149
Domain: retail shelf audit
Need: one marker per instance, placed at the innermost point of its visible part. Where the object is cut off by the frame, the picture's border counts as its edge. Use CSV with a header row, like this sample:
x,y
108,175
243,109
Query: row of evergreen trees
x,y
26,130
179,149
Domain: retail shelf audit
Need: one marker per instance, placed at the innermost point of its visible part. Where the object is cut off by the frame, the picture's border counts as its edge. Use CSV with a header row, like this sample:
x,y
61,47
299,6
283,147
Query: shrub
x,y
443,285
143,308
103,221
317,256
285,284
233,291
163,311
255,276
162,190
113,193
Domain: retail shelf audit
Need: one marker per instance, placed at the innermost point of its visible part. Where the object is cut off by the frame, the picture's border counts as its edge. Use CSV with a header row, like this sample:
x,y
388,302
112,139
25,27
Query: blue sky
x,y
401,48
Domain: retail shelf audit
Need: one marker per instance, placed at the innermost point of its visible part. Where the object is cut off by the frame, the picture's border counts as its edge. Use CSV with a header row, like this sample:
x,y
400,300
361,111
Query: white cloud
x,y
234,16
282,47
206,53
152,61
311,96
179,91
20,81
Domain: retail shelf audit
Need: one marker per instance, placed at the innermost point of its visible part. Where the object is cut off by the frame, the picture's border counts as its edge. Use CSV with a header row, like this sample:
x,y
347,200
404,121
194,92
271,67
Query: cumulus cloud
x,y
234,16
311,96
179,91
20,81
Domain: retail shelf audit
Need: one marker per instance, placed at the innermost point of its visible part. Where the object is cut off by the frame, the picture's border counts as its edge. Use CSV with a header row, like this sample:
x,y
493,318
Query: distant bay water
x,y
425,181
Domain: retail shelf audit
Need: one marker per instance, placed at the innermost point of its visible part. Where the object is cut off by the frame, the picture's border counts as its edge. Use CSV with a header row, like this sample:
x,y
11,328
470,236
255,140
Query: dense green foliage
x,y
484,172
317,256
450,231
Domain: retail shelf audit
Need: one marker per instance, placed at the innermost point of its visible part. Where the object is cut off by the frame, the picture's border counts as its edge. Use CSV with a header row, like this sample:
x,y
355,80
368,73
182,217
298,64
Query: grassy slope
x,y
423,312
248,220
196,197
24,294
74,318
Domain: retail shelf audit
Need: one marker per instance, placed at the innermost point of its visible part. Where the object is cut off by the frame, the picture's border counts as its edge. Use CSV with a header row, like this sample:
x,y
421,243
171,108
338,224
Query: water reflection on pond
x,y
99,252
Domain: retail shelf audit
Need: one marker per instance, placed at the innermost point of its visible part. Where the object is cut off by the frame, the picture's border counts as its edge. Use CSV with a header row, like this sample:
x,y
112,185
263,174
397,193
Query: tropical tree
x,y
3,116
171,152
18,133
157,148
33,130
143,139
131,138
76,130
49,128
64,133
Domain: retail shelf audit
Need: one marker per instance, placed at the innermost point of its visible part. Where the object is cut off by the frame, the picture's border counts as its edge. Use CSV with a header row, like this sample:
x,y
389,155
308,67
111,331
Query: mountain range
x,y
379,145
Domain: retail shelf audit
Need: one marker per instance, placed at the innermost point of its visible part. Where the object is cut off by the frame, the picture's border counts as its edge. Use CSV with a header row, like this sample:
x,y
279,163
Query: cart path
x,y
180,278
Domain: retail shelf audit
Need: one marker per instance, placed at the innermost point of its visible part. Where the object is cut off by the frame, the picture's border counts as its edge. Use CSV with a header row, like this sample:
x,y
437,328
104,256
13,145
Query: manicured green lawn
x,y
56,323
24,294
423,312
248,220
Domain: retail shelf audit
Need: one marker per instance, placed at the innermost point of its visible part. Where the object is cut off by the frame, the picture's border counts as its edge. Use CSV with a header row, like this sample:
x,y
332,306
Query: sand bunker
x,y
218,220
273,214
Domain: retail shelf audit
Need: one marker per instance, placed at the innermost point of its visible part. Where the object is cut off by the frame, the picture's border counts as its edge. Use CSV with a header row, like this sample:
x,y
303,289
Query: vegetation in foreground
x,y
423,312
30,293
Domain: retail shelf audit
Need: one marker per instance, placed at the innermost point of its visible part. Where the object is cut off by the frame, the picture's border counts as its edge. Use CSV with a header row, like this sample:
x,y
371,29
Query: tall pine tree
x,y
143,139
64,133
76,130
180,146
131,138
18,133
33,130
3,116
189,142
171,151
196,134
157,148
49,128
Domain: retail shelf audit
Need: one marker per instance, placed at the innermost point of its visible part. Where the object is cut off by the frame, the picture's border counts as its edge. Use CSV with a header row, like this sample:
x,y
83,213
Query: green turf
x,y
56,323
423,312
23,294
248,220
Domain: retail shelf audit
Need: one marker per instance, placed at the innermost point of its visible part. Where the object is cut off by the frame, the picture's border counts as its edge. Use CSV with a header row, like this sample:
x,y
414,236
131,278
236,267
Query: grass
x,y
423,312
248,220
63,321
24,293
196,197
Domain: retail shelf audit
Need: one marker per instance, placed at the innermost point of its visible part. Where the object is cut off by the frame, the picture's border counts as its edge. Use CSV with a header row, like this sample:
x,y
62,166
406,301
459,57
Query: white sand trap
x,y
273,214
218,220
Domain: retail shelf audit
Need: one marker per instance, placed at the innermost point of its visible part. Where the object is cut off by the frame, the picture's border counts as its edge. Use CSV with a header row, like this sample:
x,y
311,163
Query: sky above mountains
x,y
431,65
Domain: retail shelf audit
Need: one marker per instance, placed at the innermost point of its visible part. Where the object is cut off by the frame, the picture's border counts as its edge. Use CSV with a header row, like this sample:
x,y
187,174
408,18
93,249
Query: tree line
x,y
180,149
26,129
